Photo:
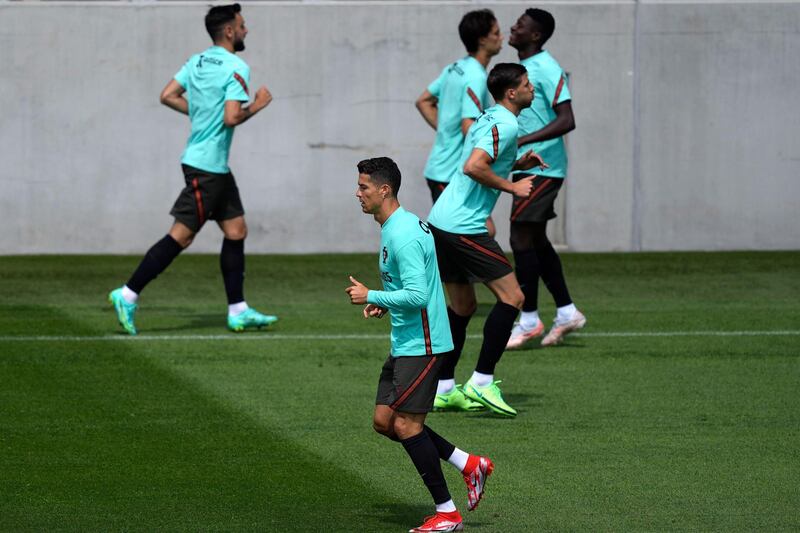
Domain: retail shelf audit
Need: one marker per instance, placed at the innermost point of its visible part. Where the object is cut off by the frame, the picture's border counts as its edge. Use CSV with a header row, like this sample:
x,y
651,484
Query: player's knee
x,y
236,234
514,298
464,307
185,241
382,426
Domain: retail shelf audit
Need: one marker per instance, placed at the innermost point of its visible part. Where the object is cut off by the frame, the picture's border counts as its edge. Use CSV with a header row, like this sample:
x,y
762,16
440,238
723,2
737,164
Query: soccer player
x,y
466,252
420,336
453,101
212,88
541,128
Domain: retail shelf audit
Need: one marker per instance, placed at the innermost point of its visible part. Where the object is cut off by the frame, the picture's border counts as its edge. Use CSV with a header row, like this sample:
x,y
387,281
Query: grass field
x,y
677,408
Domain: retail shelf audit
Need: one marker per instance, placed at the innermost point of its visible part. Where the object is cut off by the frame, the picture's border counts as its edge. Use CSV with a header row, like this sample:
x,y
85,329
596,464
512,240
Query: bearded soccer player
x,y
412,294
467,253
541,128
212,88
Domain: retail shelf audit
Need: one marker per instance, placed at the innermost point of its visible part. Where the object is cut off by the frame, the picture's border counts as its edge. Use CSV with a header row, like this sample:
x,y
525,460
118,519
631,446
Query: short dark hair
x,y
503,77
473,26
545,21
381,170
218,16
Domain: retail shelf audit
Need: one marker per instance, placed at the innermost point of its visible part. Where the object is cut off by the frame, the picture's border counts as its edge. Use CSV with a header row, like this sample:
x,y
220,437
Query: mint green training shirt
x,y
462,94
465,204
210,78
412,289
550,89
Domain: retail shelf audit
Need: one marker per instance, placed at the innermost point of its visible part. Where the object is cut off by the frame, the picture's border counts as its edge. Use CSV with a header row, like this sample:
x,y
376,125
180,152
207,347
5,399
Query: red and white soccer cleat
x,y
441,522
559,331
476,473
520,336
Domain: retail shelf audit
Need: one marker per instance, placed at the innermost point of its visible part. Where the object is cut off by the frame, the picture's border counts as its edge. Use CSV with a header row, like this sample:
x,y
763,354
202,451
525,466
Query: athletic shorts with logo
x,y
207,196
436,187
539,206
469,258
408,383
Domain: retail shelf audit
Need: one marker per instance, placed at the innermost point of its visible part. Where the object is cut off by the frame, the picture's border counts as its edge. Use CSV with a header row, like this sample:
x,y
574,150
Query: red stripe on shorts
x,y
414,385
483,250
198,200
521,207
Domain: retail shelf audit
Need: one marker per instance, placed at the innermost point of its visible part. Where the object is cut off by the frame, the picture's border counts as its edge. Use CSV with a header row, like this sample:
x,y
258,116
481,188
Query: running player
x,y
466,252
212,88
420,336
453,101
541,128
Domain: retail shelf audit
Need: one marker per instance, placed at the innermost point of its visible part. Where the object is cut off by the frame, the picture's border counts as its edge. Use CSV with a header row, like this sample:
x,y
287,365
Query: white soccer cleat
x,y
559,331
520,336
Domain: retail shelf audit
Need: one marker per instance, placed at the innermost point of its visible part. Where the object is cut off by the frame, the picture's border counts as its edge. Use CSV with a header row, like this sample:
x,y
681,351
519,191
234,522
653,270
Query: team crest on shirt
x,y
385,255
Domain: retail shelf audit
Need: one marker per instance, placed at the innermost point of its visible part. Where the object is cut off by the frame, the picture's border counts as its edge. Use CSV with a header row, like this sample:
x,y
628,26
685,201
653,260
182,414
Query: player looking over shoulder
x,y
212,88
412,294
452,102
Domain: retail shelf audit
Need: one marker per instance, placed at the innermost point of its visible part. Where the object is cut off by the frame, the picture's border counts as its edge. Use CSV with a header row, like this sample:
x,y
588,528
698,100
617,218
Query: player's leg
x,y
463,303
526,268
155,261
481,386
230,218
568,318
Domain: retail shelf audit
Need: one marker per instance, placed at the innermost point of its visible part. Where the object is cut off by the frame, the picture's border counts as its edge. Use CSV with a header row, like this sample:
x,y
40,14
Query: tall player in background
x,y
453,101
541,129
212,88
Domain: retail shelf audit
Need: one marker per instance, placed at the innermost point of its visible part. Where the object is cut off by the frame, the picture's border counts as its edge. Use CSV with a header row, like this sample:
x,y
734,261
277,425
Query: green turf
x,y
254,432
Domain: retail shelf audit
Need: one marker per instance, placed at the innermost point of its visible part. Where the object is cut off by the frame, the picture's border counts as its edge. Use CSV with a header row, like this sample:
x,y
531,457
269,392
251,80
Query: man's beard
x,y
238,46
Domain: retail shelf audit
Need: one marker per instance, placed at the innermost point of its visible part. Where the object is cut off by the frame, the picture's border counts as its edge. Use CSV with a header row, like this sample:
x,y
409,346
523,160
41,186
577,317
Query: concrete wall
x,y
687,120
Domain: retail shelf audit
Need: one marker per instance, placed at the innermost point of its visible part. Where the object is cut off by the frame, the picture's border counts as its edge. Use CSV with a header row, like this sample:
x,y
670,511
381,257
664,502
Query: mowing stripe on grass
x,y
355,336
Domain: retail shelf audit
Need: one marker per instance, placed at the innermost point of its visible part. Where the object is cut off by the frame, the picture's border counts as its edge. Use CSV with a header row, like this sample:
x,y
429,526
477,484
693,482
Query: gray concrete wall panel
x,y
91,159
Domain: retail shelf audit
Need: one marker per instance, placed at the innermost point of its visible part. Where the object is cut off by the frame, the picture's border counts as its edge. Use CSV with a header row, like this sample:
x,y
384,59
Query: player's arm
x,y
479,168
465,125
414,294
172,97
427,106
236,113
560,126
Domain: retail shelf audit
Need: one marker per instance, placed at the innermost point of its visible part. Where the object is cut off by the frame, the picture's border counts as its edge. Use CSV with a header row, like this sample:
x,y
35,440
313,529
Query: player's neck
x,y
525,53
387,209
511,106
226,45
482,57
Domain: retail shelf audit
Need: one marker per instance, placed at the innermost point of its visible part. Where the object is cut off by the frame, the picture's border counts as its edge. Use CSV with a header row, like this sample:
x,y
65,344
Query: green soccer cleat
x,y
249,319
490,396
455,401
125,311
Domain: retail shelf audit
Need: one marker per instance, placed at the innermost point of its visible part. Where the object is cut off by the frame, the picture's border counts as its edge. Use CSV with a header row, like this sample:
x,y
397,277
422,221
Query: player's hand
x,y
263,97
529,160
374,311
523,187
357,291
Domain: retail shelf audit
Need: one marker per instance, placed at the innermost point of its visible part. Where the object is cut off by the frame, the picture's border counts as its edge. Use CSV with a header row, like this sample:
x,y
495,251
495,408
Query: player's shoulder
x,y
409,228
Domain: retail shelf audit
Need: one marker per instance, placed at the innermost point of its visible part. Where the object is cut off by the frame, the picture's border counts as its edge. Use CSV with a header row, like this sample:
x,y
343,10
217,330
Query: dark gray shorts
x,y
408,383
538,207
469,258
207,196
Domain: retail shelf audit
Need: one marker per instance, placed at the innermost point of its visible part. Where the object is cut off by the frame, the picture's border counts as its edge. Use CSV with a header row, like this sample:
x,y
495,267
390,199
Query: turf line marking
x,y
323,337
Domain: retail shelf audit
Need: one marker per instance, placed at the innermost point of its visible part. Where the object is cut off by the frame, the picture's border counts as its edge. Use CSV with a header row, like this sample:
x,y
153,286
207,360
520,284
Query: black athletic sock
x,y
552,273
526,267
458,329
423,454
154,262
231,262
443,446
496,332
